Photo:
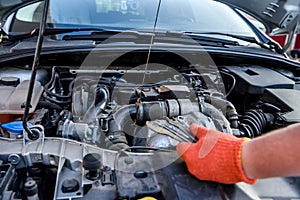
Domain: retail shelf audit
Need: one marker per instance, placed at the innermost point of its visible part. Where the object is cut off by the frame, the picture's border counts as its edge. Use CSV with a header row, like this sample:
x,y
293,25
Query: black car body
x,y
96,94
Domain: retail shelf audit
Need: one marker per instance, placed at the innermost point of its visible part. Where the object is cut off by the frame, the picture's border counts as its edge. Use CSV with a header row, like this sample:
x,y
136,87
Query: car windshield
x,y
174,15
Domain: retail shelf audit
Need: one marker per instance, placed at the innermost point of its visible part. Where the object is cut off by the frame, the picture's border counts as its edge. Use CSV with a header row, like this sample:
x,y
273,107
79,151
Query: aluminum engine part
x,y
158,140
88,133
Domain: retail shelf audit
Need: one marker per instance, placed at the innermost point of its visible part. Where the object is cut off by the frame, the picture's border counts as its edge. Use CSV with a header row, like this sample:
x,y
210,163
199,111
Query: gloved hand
x,y
215,157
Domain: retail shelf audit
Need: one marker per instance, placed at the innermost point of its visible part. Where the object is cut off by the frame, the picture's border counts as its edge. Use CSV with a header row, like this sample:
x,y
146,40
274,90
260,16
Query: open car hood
x,y
279,16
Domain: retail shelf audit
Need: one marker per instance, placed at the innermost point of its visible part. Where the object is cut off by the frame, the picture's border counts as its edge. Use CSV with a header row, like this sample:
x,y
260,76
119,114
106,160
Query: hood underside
x,y
279,16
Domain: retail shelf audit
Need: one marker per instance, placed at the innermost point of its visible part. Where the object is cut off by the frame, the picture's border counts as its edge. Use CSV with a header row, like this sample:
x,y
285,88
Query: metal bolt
x,y
14,159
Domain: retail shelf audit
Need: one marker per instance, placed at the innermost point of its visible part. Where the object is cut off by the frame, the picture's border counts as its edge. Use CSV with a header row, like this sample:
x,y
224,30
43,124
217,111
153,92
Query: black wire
x,y
233,83
49,105
56,101
48,91
56,78
52,77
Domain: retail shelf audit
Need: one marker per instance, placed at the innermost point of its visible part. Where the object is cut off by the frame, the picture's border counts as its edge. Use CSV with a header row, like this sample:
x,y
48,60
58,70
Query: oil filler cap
x,y
10,81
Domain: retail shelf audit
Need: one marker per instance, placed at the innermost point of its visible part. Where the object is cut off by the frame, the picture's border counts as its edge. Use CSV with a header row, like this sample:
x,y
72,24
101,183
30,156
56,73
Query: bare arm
x,y
274,154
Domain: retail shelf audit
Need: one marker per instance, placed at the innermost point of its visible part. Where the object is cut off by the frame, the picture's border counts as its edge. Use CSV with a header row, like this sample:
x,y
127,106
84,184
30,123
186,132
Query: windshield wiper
x,y
239,37
199,37
53,31
160,37
142,36
105,34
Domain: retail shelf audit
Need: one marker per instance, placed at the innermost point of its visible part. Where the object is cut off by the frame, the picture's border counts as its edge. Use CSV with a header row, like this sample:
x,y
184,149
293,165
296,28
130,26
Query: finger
x,y
198,131
209,142
182,147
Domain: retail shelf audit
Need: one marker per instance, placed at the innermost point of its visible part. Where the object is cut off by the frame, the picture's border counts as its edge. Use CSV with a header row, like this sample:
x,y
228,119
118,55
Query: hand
x,y
215,157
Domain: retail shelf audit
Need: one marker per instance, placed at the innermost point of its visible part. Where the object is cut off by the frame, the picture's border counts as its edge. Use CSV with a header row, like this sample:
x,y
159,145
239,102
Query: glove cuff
x,y
244,178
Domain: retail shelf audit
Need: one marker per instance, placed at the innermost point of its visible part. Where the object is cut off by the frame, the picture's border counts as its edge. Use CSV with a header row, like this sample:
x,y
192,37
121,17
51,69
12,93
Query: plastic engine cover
x,y
286,99
255,79
12,98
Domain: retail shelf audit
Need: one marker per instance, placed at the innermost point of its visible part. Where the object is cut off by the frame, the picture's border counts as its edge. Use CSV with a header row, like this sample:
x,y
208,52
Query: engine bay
x,y
111,131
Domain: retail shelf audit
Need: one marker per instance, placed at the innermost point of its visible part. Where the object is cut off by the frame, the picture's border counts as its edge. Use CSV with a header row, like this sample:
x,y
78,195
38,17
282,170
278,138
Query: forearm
x,y
275,154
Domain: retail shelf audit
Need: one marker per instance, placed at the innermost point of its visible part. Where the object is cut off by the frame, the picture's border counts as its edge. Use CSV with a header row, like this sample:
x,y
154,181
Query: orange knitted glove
x,y
215,157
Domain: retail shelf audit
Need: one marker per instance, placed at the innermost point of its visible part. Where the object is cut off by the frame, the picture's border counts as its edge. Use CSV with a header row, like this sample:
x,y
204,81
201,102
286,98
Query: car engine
x,y
112,132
